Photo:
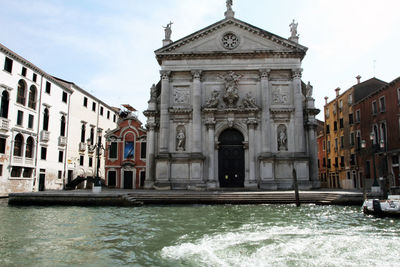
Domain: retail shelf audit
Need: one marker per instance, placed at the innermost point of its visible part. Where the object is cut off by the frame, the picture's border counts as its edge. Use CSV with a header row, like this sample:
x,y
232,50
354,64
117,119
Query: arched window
x,y
62,126
83,133
18,142
46,119
32,97
92,136
4,104
21,92
29,148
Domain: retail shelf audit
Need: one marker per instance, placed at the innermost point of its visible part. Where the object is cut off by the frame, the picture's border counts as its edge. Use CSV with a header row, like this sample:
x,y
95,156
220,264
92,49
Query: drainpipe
x,y
36,171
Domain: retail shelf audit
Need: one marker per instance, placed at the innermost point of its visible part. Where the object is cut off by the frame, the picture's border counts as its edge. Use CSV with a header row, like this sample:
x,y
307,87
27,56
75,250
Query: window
x,y
335,125
48,87
329,163
85,101
1,169
21,91
327,129
323,162
341,161
323,145
328,146
90,161
340,105
20,117
374,108
336,144
27,172
382,106
30,121
16,171
59,174
18,141
113,150
342,141
46,119
341,123
336,162
43,153
129,151
4,104
398,96
108,114
351,121
143,150
83,133
92,136
81,160
29,148
358,116
327,112
367,169
8,64
352,139
23,71
2,145
101,111
62,126
350,99
395,160
64,97
32,97
94,106
60,156
34,77
352,159
114,118
112,178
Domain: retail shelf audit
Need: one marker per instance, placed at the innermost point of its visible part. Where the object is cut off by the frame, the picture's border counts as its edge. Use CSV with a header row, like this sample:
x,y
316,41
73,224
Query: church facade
x,y
231,110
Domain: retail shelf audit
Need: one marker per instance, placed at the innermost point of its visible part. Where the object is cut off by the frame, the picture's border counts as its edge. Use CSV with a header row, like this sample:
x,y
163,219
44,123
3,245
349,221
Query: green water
x,y
228,235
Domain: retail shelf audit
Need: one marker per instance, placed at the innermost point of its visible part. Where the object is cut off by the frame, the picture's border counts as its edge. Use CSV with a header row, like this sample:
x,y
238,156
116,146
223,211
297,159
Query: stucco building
x,y
231,110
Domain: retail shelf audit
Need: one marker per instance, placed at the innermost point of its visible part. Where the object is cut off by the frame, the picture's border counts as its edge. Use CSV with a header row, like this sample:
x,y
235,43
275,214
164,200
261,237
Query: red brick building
x,y
126,153
378,124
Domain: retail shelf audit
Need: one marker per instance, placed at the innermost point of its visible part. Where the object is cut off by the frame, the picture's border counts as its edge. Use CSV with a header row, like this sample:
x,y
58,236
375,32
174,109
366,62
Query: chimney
x,y
326,100
337,91
358,79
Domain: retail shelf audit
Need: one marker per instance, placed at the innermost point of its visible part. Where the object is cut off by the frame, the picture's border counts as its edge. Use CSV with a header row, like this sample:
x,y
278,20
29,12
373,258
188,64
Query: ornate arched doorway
x,y
231,159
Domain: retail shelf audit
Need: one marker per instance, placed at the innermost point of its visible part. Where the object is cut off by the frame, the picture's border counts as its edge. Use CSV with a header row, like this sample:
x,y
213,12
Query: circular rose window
x,y
230,40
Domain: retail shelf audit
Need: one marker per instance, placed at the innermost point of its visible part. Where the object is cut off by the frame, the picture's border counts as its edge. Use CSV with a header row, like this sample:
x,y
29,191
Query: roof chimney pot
x,y
358,79
337,91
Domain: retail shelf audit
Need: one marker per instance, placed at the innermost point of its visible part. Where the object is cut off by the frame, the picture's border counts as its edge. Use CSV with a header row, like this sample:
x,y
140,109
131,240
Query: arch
x,y
231,158
46,119
241,127
18,145
29,147
32,97
21,92
62,126
4,104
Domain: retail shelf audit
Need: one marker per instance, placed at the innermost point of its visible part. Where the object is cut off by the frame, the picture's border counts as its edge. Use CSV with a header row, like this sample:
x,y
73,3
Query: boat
x,y
383,208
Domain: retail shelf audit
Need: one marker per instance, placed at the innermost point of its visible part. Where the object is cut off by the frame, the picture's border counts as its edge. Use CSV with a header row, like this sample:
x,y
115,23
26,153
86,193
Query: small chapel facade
x,y
231,110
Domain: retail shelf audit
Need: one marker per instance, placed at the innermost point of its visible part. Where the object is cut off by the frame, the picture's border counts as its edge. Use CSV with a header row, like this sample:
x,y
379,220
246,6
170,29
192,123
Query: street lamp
x,y
375,148
98,146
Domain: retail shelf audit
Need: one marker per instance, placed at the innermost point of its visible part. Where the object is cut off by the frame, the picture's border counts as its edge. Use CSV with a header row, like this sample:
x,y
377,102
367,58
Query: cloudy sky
x,y
107,47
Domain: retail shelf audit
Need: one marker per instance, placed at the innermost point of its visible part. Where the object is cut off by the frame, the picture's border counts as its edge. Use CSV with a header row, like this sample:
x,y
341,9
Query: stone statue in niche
x,y
153,93
309,90
168,31
213,101
282,138
231,95
180,139
249,101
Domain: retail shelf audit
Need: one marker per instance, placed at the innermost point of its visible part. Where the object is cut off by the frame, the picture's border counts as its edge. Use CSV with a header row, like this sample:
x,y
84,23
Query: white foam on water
x,y
288,246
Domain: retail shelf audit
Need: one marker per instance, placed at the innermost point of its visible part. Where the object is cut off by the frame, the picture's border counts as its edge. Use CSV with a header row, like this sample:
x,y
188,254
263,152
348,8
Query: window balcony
x,y
4,124
82,146
62,141
91,148
44,136
29,161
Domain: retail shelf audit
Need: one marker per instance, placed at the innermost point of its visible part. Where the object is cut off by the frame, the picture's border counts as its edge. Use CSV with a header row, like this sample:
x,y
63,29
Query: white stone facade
x,y
231,110
40,117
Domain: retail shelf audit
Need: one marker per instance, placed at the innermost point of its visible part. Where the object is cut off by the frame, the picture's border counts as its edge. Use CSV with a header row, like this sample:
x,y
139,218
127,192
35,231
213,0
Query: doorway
x,y
42,178
128,179
231,159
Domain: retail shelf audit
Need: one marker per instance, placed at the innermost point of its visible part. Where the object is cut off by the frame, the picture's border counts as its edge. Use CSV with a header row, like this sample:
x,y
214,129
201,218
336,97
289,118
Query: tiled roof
x,y
366,88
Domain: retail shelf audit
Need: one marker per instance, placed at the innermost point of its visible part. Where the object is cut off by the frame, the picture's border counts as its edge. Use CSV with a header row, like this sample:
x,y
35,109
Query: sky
x,y
107,47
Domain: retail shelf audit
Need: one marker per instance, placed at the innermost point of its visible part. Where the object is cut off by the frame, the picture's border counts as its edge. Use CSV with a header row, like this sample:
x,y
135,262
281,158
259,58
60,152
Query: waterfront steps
x,y
168,197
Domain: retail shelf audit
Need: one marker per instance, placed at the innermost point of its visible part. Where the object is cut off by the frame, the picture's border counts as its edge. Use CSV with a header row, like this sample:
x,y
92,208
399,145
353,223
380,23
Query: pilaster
x,y
251,124
210,124
265,115
164,116
196,119
298,112
150,155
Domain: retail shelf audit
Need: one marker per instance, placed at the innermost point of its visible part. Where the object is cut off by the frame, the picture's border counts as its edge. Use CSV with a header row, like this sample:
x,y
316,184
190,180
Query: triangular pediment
x,y
231,36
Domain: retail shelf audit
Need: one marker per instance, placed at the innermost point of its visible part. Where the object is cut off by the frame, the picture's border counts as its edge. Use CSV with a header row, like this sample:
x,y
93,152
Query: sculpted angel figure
x,y
249,101
213,101
231,88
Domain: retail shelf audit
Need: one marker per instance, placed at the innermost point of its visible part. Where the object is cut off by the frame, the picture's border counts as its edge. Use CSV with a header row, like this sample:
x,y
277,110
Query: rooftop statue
x,y
168,30
293,29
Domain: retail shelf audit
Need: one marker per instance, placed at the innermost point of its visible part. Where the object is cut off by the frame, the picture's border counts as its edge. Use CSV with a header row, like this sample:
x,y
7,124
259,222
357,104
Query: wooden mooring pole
x,y
296,188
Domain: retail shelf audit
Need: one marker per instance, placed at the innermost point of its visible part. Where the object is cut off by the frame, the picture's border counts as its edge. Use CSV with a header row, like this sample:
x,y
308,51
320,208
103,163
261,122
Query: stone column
x,y
251,124
211,183
150,166
196,119
265,114
298,112
312,142
164,116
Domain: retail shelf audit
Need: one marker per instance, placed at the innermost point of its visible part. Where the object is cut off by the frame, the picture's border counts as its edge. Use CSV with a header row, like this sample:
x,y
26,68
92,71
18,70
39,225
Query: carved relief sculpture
x,y
249,101
213,101
279,98
282,138
231,95
180,139
181,96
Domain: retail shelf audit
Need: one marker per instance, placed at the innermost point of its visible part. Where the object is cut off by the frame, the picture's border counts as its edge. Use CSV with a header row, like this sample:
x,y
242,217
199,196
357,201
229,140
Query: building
x,y
126,152
39,147
321,144
342,135
228,111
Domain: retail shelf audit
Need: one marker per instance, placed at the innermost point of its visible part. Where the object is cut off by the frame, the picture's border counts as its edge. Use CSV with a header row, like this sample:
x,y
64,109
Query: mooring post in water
x,y
296,188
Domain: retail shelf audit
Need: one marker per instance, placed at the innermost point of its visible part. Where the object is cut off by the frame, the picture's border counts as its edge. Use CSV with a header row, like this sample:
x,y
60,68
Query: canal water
x,y
220,235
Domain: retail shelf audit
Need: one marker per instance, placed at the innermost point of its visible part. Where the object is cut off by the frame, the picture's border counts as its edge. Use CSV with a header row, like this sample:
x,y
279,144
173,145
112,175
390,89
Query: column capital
x,y
252,122
210,124
165,74
264,73
296,73
196,74
151,126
